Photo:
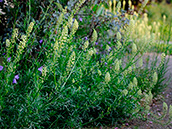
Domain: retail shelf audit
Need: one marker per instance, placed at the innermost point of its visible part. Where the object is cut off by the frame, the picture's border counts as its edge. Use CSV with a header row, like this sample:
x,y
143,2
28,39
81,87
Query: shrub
x,y
67,81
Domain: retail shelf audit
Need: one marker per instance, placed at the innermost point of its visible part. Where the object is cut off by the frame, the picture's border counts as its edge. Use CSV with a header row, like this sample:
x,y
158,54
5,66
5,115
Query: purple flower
x,y
108,42
150,122
14,81
110,48
86,38
9,59
105,63
97,52
3,54
96,43
1,68
80,19
41,41
40,69
127,124
101,45
16,77
1,0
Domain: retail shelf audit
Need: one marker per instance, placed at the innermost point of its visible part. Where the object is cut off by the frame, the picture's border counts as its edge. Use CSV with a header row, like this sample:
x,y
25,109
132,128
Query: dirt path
x,y
157,103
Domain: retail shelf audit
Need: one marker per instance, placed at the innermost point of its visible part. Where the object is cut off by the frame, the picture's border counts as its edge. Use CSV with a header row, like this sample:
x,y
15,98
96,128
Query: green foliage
x,y
52,76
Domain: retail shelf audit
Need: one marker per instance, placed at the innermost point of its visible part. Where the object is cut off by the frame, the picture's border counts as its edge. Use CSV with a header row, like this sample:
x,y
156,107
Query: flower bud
x,y
99,72
141,62
86,44
155,78
125,92
107,77
130,86
129,69
135,81
94,36
165,107
134,48
139,92
118,36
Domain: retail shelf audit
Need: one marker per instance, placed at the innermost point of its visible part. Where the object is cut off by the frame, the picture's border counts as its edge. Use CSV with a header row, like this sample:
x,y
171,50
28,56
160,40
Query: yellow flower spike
x,y
125,92
129,69
118,7
73,80
70,20
141,62
107,77
165,107
94,36
150,96
117,65
130,86
75,25
8,43
129,3
44,71
114,6
164,18
155,78
99,72
118,36
135,82
134,48
132,7
124,3
29,29
86,44
139,92
110,6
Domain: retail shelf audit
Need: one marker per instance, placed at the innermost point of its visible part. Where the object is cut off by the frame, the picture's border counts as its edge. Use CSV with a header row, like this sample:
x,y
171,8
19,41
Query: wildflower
x,y
14,81
107,77
118,36
96,43
108,42
134,48
86,44
16,77
150,122
165,107
3,54
110,48
97,52
125,92
135,82
9,59
40,69
139,92
1,68
86,38
75,26
99,72
94,36
155,78
1,0
41,41
101,45
105,63
80,19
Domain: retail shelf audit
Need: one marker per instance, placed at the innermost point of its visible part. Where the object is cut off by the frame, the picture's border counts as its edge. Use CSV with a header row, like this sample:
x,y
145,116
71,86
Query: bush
x,y
49,79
